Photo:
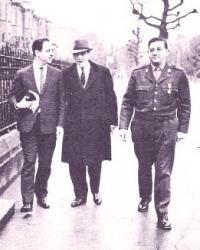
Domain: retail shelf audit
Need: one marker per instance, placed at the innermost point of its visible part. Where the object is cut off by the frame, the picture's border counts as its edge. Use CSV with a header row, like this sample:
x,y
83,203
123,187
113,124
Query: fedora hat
x,y
81,46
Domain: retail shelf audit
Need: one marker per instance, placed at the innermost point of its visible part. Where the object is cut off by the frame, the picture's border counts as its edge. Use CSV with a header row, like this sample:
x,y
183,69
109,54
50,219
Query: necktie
x,y
82,76
41,78
157,72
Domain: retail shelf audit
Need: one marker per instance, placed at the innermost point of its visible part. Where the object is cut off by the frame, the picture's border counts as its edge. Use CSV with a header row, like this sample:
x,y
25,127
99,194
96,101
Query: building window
x,y
3,36
3,11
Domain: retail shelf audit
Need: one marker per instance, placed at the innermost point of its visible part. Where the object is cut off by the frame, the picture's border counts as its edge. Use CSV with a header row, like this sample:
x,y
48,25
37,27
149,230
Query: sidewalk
x,y
116,224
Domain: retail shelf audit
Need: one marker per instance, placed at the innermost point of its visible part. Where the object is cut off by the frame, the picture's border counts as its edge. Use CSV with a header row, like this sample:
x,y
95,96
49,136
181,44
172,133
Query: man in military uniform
x,y
158,95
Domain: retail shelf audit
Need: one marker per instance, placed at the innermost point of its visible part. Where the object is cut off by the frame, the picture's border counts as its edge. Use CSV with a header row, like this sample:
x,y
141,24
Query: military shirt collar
x,y
161,67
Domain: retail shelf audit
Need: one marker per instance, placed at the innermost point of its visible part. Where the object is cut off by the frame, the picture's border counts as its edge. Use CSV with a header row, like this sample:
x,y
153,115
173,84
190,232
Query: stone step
x,y
7,209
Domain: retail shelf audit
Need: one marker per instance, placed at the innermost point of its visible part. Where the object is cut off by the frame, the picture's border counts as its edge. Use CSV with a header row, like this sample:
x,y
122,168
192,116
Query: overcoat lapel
x,y
75,77
92,76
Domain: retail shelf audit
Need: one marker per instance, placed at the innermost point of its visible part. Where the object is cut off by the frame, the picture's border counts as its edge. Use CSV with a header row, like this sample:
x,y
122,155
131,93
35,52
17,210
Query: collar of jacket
x,y
165,74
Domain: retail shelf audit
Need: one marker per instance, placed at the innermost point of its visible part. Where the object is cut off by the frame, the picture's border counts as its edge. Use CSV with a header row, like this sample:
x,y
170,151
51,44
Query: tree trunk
x,y
163,33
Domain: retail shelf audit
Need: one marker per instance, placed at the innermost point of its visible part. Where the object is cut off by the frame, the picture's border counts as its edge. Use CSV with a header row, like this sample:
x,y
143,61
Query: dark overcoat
x,y
89,113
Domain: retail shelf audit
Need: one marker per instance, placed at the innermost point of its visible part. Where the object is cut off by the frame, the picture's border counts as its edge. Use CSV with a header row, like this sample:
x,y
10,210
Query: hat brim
x,y
76,51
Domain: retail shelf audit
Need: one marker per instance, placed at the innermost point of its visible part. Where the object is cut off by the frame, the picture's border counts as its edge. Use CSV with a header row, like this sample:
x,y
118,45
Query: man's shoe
x,y
143,206
42,203
163,222
78,202
97,199
26,208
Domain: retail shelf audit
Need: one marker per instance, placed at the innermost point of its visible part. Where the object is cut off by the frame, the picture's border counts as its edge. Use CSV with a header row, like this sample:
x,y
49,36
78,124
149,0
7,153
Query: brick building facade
x,y
18,22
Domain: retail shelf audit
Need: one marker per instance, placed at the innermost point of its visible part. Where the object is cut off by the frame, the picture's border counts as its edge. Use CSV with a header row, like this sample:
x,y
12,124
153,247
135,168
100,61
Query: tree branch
x,y
181,17
174,27
176,6
142,16
153,17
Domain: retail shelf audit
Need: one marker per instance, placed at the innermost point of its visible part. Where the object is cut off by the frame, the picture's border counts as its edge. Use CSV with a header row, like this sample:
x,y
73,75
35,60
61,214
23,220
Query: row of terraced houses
x,y
19,22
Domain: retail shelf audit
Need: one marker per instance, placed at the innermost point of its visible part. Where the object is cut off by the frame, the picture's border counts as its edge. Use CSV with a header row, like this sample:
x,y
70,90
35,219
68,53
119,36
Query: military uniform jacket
x,y
167,96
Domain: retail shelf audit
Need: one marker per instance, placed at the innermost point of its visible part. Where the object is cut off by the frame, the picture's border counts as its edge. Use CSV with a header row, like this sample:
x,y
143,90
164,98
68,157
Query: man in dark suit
x,y
40,117
91,114
158,94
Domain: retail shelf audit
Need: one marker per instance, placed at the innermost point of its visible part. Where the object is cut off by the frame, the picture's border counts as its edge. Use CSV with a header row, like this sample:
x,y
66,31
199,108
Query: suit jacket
x,y
51,99
89,113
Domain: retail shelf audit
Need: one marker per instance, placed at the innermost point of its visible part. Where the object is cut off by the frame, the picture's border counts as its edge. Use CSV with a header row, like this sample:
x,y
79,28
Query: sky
x,y
106,17
110,19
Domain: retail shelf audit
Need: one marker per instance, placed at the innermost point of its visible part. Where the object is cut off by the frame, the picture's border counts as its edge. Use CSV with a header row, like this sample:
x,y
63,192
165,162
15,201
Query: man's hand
x,y
180,136
23,104
122,133
26,104
34,104
112,128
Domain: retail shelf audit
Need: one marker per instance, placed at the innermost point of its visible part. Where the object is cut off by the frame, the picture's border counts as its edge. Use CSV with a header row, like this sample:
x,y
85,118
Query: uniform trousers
x,y
78,174
154,144
35,143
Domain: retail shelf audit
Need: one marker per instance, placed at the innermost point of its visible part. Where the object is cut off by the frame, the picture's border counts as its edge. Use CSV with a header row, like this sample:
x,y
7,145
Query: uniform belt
x,y
152,117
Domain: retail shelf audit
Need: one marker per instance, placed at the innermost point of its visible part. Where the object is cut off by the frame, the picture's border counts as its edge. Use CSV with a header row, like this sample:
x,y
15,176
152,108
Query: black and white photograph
x,y
99,125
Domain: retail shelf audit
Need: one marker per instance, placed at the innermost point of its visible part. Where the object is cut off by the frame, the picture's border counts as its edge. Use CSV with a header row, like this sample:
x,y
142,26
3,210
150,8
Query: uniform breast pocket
x,y
170,94
143,94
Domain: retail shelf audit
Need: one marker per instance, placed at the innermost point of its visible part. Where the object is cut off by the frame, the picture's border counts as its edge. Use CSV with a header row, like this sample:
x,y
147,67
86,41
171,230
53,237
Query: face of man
x,y
46,55
157,53
82,58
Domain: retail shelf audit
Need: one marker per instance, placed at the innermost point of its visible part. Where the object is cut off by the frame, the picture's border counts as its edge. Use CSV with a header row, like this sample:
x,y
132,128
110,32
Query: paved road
x,y
116,224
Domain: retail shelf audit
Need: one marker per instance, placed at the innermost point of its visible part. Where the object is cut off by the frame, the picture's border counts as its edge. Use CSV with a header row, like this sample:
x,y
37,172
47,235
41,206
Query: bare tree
x,y
133,46
170,17
194,56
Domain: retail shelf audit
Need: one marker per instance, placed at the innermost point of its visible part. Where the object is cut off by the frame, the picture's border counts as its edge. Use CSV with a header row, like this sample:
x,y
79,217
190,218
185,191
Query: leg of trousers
x,y
29,146
36,144
46,146
94,172
163,166
144,151
155,144
78,177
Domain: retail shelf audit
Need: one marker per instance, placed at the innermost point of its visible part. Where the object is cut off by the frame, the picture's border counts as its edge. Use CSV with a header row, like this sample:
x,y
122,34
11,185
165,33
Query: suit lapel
x,y
49,77
31,76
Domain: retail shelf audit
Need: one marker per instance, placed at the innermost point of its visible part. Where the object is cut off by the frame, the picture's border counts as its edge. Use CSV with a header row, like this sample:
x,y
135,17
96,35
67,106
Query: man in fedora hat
x,y
91,113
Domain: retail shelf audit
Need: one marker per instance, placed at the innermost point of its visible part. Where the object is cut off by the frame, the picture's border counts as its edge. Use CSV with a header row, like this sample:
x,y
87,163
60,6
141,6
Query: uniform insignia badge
x,y
169,90
169,70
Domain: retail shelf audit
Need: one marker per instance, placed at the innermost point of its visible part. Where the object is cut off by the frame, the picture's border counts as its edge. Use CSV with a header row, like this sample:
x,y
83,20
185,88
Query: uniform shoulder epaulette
x,y
172,66
141,67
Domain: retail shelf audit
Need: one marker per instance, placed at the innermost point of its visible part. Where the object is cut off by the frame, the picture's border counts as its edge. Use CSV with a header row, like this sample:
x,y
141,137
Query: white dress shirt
x,y
37,72
86,71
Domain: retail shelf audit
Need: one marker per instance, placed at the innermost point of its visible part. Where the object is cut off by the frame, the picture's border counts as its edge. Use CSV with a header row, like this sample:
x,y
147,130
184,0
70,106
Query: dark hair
x,y
158,39
38,43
